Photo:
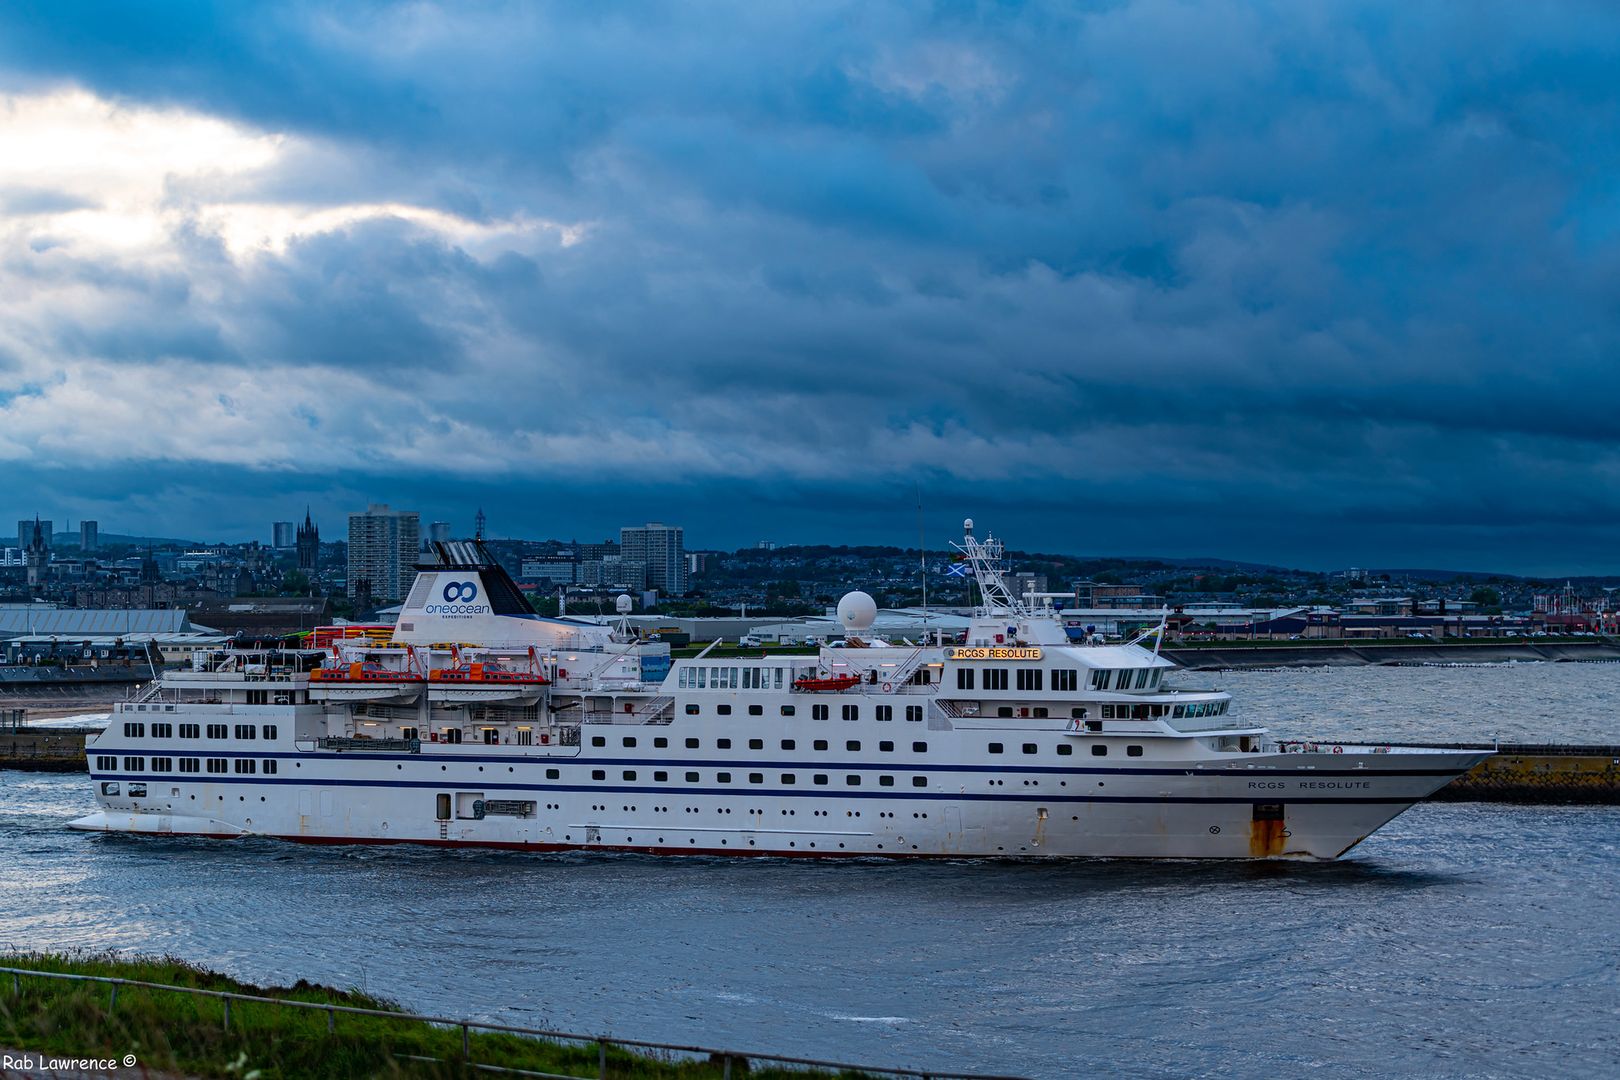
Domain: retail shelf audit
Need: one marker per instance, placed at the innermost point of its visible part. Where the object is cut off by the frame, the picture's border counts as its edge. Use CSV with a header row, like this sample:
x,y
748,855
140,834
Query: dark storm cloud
x,y
1301,282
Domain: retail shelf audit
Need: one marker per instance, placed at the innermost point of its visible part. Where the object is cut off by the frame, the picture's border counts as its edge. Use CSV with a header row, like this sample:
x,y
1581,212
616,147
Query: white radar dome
x,y
624,605
857,611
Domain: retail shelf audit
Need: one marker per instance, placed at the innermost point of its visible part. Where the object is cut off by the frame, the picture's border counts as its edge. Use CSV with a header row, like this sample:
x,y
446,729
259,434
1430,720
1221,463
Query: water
x,y
1462,940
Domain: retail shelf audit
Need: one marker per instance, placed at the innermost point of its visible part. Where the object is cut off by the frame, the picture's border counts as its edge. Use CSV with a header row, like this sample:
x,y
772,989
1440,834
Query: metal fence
x,y
726,1059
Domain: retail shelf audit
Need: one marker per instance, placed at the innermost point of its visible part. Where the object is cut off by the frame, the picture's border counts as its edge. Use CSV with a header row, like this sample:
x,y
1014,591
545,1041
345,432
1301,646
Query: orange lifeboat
x,y
486,675
830,682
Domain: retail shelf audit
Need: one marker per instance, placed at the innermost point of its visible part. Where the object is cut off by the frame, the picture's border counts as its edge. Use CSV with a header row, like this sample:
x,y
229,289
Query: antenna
x,y
922,557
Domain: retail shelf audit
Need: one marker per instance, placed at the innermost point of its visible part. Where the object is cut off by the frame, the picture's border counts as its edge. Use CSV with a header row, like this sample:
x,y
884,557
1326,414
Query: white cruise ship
x,y
478,723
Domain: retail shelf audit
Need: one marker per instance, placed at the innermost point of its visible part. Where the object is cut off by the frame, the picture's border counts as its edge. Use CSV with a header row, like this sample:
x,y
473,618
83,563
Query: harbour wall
x,y
1547,774
1351,654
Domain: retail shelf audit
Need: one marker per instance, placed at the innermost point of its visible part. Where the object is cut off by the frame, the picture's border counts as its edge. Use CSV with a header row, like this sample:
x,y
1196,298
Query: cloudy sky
x,y
1321,284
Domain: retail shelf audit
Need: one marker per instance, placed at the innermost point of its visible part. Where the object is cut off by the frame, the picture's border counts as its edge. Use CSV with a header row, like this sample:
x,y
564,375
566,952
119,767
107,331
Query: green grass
x,y
185,1034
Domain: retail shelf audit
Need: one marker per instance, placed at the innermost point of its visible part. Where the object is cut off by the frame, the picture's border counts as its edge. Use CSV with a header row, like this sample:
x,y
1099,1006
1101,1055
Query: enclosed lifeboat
x,y
484,683
364,680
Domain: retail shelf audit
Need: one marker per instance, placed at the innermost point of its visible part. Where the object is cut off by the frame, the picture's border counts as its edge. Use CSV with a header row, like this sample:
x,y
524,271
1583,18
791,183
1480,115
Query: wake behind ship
x,y
552,734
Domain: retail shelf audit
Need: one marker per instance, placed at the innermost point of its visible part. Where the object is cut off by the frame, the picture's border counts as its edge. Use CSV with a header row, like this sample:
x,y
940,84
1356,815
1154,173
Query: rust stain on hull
x,y
1266,838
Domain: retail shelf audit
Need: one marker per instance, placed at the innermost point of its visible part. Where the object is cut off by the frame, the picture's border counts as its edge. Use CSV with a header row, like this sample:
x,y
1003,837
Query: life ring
x,y
1338,749
887,687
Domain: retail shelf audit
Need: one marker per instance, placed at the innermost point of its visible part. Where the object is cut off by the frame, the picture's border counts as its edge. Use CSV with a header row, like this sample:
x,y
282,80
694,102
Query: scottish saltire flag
x,y
960,569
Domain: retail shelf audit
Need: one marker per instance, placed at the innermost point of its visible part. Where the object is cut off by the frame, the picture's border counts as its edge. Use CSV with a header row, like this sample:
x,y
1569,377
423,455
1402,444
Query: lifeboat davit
x,y
473,683
363,681
827,682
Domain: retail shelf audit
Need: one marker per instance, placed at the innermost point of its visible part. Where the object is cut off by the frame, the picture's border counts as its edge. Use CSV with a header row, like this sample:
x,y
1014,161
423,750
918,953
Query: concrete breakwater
x,y
1548,774
1352,654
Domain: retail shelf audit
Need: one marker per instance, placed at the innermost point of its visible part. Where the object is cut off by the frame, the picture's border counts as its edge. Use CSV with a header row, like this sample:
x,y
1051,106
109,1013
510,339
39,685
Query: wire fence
x,y
730,1061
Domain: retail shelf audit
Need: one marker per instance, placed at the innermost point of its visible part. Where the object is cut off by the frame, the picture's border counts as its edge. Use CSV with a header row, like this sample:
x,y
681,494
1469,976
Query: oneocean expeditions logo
x,y
460,590
458,601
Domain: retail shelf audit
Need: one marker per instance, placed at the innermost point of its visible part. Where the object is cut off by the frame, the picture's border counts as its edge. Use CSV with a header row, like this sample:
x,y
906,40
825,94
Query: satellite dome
x,y
624,605
857,611
967,526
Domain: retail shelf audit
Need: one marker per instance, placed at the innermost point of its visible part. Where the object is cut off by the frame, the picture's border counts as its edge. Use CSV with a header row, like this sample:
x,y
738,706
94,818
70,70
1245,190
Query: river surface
x,y
1466,940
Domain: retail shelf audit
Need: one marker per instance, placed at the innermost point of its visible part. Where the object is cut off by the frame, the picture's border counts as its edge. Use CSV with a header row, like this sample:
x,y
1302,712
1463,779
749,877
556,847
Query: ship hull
x,y
1292,806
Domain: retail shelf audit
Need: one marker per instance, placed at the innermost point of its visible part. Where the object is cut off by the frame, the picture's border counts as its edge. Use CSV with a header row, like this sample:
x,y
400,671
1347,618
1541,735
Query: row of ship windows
x,y
195,731
661,743
787,779
1144,712
245,766
885,713
1063,679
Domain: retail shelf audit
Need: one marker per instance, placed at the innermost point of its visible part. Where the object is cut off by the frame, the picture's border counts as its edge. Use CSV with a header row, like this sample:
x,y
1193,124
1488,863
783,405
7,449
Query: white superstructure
x,y
479,723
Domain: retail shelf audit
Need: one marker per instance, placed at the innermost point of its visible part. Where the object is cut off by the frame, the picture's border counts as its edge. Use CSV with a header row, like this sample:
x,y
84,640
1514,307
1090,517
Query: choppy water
x,y
1462,940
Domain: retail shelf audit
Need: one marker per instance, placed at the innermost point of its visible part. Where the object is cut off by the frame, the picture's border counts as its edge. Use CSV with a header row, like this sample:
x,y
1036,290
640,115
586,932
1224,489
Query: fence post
x,y
331,1021
227,1014
113,1004
601,1059
726,1072
466,1045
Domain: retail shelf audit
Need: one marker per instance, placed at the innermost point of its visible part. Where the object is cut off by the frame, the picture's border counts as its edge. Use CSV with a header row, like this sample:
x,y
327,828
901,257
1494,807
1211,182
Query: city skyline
x,y
1290,284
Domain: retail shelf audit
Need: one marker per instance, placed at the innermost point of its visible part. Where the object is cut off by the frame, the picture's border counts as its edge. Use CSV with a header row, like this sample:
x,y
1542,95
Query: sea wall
x,y
1351,654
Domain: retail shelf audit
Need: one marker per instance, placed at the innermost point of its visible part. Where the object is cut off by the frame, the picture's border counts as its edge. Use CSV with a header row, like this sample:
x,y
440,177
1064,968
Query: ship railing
x,y
731,1062
375,746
